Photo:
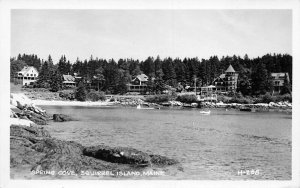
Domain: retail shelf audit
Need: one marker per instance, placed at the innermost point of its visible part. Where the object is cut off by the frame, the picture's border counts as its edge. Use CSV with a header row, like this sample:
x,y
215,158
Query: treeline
x,y
113,75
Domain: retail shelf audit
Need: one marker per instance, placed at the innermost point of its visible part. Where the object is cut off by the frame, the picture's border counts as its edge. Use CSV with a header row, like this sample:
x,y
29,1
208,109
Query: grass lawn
x,y
15,88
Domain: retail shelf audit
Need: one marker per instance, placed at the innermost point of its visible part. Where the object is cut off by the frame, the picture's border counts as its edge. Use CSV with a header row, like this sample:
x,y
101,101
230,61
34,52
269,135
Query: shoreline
x,y
133,102
33,150
70,103
262,107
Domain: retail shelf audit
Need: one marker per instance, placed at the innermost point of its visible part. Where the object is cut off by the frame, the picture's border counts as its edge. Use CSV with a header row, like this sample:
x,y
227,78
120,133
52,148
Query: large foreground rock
x,y
118,155
34,147
126,155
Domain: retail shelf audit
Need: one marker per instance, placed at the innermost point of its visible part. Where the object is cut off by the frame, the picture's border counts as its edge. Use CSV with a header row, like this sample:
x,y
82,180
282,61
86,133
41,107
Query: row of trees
x,y
112,75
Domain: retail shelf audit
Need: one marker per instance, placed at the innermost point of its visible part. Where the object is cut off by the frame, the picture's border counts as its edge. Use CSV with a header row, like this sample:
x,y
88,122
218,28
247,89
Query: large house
x,y
27,76
69,81
138,84
226,82
278,80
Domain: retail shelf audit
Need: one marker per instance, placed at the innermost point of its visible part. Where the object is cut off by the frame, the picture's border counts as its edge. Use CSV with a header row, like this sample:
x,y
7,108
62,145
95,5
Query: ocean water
x,y
225,145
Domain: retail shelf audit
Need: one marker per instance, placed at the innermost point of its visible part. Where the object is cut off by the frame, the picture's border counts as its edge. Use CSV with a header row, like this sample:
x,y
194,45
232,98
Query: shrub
x,y
281,98
266,98
67,94
223,98
287,97
158,98
186,98
95,95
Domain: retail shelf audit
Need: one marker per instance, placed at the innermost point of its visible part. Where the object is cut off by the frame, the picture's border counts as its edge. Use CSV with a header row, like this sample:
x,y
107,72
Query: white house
x,y
26,76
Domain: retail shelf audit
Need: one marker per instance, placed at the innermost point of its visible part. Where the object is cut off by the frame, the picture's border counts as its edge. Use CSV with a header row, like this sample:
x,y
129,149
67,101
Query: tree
x,y
123,77
260,79
16,66
99,77
56,81
148,66
44,76
169,72
244,85
286,86
80,93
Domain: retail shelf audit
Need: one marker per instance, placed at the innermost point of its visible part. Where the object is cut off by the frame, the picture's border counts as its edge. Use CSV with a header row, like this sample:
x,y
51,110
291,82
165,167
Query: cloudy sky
x,y
141,33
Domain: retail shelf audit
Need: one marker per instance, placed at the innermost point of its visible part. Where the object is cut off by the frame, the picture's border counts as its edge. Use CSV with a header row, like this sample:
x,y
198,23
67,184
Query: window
x,y
27,74
34,74
30,74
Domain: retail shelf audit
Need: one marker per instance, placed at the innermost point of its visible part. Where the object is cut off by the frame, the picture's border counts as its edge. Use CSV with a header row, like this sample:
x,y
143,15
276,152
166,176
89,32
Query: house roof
x,y
230,69
68,78
222,76
280,75
142,77
26,69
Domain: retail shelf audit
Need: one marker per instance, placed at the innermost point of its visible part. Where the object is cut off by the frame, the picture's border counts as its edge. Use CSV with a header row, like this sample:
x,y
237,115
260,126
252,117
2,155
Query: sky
x,y
141,33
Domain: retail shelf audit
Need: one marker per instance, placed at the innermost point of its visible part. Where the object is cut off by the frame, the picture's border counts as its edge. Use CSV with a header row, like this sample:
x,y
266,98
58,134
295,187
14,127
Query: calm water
x,y
208,147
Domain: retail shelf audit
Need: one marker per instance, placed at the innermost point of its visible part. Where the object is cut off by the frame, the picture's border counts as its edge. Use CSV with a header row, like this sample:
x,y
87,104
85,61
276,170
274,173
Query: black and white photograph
x,y
151,94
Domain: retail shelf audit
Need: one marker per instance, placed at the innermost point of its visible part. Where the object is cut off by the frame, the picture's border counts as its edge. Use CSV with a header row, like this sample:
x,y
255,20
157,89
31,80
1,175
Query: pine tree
x,y
44,76
80,93
169,72
260,79
56,81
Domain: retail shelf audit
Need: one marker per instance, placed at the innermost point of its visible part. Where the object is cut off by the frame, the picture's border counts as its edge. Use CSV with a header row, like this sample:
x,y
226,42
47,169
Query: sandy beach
x,y
71,103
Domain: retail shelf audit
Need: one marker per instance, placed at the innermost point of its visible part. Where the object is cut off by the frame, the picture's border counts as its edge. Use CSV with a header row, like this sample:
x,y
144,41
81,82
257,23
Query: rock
x,y
19,100
162,161
61,118
13,114
118,155
34,147
21,122
36,118
22,141
29,132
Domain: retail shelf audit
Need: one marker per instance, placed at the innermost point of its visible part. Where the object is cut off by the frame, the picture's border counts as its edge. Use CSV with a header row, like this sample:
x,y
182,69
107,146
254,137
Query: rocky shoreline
x,y
272,106
33,148
44,98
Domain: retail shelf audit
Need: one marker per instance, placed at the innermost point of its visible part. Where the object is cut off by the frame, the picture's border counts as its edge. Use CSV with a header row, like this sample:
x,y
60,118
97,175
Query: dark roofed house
x,y
138,84
69,81
278,80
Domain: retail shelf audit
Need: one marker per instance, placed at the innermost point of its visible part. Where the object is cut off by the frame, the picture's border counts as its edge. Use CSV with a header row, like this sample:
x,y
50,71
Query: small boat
x,y
205,112
141,108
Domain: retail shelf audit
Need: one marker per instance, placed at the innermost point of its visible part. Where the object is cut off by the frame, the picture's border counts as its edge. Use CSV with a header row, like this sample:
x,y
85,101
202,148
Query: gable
x,y
220,78
28,70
